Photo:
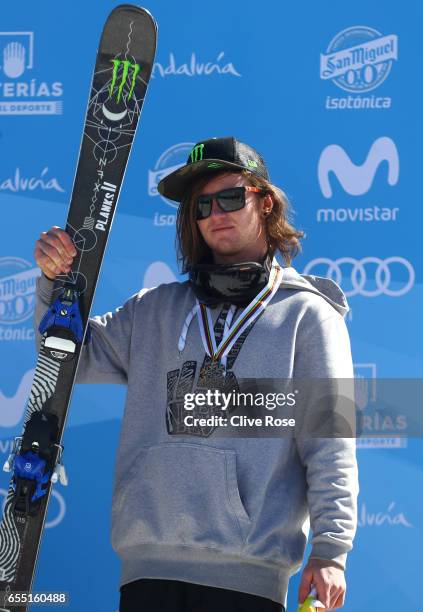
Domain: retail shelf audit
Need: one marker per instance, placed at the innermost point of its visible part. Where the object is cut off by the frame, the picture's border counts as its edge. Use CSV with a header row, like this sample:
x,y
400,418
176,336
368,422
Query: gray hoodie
x,y
228,512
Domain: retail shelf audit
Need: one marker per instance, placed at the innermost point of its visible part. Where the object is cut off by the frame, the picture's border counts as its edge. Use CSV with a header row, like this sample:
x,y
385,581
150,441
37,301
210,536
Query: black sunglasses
x,y
228,200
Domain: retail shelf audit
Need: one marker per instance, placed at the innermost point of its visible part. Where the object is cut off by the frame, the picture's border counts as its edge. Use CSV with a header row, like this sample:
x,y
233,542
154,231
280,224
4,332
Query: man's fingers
x,y
305,587
339,601
335,599
65,240
60,240
48,256
323,591
47,252
51,241
49,268
329,581
54,241
54,252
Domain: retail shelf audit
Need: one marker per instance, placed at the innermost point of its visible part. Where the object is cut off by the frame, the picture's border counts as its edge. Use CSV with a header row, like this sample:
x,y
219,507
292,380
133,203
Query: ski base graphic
x,y
121,75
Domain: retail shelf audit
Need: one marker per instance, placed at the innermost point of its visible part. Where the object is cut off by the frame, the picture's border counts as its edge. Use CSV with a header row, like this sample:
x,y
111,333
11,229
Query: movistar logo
x,y
252,163
197,153
126,66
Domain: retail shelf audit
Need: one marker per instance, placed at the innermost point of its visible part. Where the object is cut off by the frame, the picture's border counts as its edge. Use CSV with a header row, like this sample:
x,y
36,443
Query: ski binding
x,y
35,460
63,325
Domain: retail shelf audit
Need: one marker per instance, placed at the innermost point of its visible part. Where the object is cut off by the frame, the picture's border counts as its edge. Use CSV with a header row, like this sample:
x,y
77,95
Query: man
x,y
202,521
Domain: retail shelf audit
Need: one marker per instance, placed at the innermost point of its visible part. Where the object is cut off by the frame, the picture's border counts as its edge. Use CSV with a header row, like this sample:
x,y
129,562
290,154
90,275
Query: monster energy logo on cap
x,y
124,75
251,163
221,154
196,154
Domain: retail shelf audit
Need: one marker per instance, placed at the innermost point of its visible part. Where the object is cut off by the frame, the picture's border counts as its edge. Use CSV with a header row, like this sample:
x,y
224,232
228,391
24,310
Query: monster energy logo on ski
x,y
126,65
197,153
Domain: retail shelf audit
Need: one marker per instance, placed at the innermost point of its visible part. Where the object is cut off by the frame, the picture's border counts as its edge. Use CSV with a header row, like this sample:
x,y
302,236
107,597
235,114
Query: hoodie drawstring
x,y
183,337
188,320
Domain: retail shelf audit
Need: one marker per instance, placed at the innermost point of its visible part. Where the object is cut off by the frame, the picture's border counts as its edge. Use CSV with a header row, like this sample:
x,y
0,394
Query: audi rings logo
x,y
56,501
369,276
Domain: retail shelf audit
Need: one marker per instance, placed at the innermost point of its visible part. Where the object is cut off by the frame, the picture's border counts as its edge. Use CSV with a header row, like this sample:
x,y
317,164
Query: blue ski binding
x,y
63,326
35,461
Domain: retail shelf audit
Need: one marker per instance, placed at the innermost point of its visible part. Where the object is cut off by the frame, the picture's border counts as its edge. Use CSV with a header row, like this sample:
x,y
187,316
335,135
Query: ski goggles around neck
x,y
228,200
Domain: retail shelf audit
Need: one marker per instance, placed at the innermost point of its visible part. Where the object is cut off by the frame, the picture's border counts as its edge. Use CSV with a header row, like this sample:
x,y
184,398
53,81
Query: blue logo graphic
x,y
17,289
359,59
20,93
17,53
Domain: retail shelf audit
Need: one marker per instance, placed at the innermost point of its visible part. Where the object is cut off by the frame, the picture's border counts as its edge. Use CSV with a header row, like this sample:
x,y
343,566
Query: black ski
x,y
122,71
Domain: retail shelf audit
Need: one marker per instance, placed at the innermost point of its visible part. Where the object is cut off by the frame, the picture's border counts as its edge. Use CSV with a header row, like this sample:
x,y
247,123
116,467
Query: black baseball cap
x,y
208,156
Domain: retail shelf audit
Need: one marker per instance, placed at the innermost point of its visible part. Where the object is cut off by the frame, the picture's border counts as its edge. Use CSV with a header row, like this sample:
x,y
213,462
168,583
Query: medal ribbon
x,y
251,312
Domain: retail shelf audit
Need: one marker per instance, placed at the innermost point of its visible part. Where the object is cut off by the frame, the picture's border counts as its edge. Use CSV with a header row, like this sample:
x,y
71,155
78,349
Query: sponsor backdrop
x,y
330,96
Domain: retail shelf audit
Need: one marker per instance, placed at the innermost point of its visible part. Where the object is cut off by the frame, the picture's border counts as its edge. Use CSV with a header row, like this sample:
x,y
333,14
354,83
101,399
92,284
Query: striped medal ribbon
x,y
249,314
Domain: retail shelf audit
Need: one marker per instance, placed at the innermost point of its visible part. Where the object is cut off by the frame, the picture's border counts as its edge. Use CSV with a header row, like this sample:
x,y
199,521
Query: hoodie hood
x,y
325,287
291,279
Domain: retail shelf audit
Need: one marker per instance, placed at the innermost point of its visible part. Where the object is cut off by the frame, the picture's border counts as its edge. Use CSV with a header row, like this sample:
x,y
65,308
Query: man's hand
x,y
329,580
54,252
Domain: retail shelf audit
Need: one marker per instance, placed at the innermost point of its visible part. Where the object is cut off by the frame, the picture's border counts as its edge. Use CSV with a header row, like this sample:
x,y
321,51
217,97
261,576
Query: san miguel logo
x,y
18,279
358,60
